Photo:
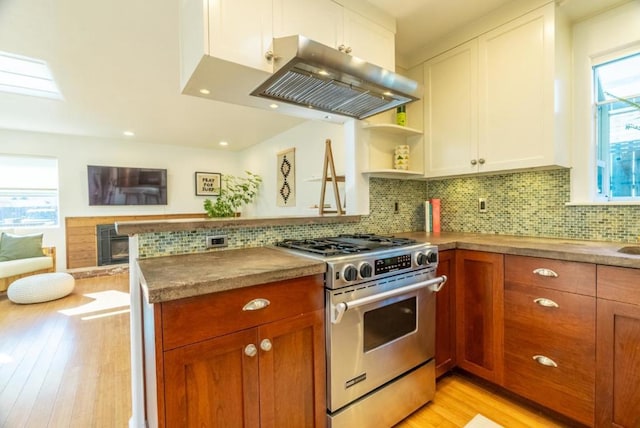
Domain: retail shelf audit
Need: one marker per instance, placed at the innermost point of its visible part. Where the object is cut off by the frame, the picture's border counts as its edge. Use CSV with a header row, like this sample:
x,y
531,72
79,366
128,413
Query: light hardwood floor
x,y
72,370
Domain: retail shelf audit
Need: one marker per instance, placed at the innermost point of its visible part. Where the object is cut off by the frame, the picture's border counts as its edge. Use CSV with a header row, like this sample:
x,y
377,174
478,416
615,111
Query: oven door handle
x,y
337,311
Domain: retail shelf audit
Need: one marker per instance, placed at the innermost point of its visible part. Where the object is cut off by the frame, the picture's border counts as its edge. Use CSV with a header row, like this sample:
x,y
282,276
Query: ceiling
x,y
117,66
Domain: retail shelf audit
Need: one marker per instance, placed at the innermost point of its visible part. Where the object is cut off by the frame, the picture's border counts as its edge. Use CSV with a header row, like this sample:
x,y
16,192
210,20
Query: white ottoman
x,y
41,288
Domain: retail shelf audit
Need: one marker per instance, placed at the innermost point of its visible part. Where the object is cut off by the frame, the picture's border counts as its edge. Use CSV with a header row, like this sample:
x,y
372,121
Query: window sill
x,y
607,204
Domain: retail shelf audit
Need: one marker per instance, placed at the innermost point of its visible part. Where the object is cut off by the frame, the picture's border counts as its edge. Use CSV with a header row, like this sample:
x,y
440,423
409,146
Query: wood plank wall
x,y
81,239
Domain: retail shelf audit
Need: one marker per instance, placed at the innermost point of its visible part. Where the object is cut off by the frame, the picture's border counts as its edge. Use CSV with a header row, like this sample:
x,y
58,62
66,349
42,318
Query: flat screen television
x,y
113,185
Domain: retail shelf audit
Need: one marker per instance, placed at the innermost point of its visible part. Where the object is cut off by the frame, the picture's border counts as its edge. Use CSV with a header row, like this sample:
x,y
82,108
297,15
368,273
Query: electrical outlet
x,y
217,241
396,208
482,205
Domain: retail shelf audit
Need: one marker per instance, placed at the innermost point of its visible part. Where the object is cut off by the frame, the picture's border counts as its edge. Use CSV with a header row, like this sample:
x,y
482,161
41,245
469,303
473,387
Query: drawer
x,y
568,388
619,284
194,319
560,275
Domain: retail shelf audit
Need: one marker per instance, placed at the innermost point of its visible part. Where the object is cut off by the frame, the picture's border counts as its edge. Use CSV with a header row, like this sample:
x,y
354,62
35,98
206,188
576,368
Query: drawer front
x,y
572,277
192,320
619,284
564,334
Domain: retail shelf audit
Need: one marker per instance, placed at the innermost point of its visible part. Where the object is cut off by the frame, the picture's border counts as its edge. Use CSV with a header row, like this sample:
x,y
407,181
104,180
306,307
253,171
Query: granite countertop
x,y
187,275
598,252
176,277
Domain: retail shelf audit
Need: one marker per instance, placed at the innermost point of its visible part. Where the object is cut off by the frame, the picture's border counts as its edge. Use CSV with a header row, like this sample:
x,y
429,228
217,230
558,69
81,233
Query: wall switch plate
x,y
482,205
217,241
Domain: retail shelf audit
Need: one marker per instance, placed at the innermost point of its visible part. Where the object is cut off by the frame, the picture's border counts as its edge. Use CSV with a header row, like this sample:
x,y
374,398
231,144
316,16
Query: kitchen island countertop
x,y
187,275
176,277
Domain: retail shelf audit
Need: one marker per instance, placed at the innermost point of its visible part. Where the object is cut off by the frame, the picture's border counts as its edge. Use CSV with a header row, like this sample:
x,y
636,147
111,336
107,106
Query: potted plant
x,y
234,192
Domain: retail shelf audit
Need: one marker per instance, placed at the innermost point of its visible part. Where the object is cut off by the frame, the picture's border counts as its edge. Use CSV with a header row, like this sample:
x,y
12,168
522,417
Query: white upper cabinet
x,y
451,111
500,102
367,40
320,21
336,26
240,31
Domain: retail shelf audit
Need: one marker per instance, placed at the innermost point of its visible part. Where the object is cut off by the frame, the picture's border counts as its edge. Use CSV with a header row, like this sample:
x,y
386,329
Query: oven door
x,y
378,331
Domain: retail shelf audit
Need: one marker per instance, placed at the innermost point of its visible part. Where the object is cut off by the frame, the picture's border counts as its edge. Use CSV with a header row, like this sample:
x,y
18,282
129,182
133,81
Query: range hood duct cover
x,y
312,75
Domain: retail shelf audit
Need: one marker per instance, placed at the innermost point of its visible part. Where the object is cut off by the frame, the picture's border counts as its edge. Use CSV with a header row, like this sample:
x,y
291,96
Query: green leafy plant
x,y
234,192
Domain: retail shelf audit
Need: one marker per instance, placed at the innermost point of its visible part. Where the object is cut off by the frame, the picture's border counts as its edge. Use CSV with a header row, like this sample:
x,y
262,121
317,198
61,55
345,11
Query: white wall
x,y
614,31
75,153
308,139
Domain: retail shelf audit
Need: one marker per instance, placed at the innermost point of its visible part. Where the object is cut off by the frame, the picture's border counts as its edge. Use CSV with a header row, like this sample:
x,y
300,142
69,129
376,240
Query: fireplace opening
x,y
112,248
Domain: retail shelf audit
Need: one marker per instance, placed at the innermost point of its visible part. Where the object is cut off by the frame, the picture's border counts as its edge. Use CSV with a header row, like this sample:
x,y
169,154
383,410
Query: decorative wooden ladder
x,y
328,163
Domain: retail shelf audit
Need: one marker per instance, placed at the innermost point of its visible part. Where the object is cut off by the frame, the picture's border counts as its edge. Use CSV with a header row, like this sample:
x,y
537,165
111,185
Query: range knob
x,y
366,270
350,273
423,259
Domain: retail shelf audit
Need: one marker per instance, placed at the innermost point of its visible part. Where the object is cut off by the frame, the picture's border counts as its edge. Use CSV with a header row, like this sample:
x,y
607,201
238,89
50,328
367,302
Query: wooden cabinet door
x,y
213,383
451,111
445,315
479,313
292,372
618,364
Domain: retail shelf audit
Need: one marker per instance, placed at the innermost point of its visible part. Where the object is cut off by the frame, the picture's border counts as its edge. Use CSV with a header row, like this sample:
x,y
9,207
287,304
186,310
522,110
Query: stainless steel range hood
x,y
315,76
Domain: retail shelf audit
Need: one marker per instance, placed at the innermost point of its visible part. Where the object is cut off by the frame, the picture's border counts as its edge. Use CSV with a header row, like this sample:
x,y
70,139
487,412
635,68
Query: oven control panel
x,y
391,264
360,268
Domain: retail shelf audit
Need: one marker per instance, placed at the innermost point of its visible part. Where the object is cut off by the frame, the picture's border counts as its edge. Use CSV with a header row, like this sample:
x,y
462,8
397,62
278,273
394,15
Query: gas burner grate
x,y
344,244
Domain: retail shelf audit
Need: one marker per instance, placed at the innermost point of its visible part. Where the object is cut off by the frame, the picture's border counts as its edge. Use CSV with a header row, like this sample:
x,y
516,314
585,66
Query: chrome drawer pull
x,y
545,272
547,303
544,361
256,304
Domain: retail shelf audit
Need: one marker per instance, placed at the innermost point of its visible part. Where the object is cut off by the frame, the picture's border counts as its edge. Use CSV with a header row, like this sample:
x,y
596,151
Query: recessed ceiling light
x,y
388,93
223,143
323,72
273,105
204,91
129,133
328,116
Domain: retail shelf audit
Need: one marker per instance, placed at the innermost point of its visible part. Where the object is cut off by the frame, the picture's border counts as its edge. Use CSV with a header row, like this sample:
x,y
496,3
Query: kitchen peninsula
x,y
204,281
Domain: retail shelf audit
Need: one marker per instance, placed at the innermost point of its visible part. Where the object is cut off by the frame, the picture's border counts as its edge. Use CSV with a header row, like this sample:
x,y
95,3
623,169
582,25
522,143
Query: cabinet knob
x,y
250,350
474,162
256,304
547,303
544,361
481,161
342,48
269,55
348,50
265,345
545,272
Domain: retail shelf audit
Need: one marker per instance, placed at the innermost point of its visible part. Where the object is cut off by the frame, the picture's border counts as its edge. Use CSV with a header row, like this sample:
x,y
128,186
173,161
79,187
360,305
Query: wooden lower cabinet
x,y
479,313
618,348
445,315
220,383
550,334
238,368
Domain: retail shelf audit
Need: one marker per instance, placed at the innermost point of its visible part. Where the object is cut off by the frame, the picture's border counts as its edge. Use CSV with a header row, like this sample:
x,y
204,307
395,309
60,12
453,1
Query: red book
x,y
435,215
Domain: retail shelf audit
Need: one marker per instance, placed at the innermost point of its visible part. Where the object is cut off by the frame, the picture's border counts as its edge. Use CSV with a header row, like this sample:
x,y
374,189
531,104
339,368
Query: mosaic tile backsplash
x,y
530,204
523,203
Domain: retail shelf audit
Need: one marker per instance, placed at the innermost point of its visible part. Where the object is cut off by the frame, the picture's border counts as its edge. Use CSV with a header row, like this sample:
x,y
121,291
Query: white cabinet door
x,y
451,111
369,41
516,93
318,20
240,31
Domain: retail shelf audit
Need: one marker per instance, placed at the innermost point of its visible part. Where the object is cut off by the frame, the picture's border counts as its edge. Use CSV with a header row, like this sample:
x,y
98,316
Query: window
x,y
27,76
617,96
28,191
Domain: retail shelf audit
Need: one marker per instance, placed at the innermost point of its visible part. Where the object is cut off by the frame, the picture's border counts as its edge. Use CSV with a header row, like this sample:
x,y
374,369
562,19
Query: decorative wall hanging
x,y
207,184
286,183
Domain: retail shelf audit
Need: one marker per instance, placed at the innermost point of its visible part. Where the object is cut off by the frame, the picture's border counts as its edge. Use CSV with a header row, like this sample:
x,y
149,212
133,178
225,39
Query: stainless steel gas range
x,y
380,326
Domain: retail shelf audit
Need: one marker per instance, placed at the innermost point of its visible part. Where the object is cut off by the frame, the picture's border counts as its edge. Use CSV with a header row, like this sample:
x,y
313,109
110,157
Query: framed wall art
x,y
208,183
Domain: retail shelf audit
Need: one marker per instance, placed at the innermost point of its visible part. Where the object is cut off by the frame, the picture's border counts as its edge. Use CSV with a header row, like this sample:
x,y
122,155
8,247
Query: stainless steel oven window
x,y
388,323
